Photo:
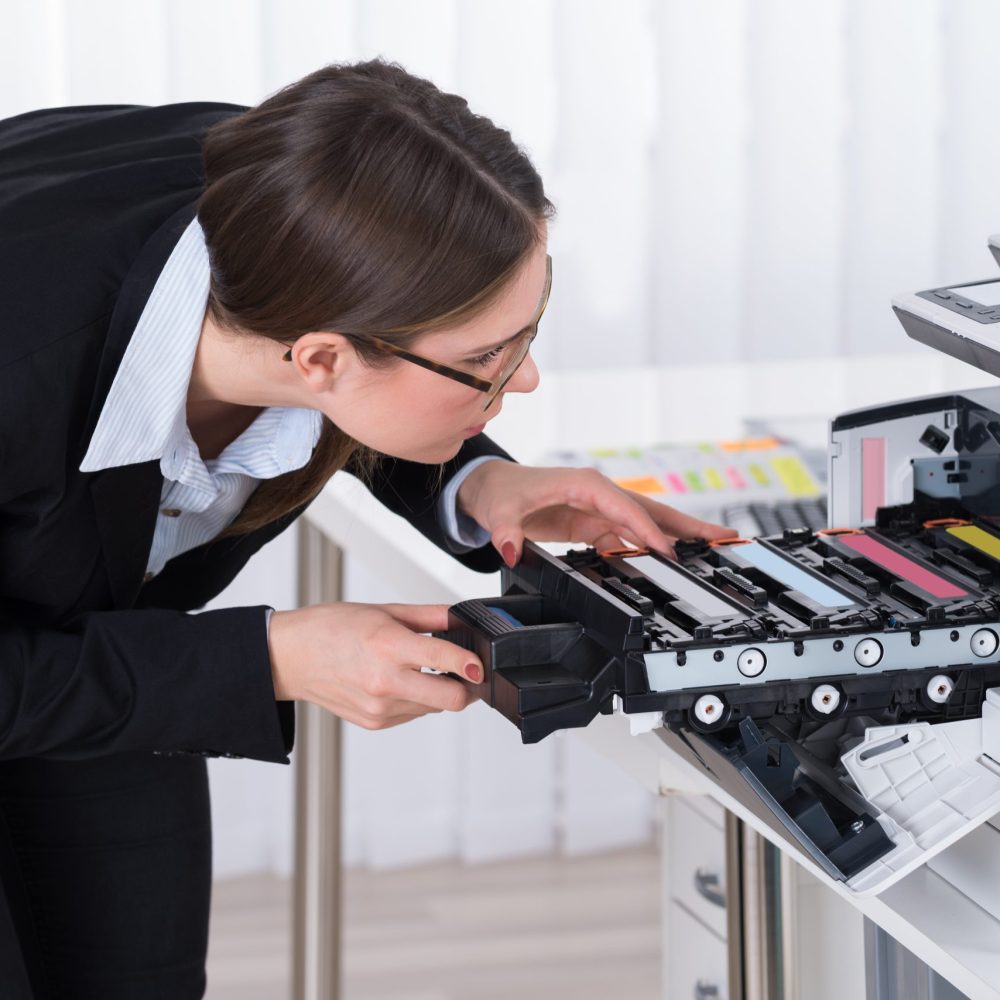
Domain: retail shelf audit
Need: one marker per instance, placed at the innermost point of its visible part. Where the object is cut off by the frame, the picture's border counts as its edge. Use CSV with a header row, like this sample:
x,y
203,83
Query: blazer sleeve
x,y
411,490
142,680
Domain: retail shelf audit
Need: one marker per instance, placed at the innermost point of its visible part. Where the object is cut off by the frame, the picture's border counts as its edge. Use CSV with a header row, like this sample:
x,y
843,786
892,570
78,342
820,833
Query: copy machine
x,y
843,683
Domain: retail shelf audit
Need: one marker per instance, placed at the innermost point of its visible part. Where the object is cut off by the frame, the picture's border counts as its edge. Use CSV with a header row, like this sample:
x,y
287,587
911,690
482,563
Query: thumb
x,y
509,542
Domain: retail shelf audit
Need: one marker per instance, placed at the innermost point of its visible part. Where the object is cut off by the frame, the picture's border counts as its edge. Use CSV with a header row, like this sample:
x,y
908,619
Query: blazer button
x,y
146,577
170,512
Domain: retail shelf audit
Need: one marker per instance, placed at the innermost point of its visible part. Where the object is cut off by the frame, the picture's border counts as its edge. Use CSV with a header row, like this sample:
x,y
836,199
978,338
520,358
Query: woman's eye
x,y
485,360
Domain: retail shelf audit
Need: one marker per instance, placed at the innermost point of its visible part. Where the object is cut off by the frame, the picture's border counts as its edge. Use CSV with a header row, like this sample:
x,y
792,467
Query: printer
x,y
842,682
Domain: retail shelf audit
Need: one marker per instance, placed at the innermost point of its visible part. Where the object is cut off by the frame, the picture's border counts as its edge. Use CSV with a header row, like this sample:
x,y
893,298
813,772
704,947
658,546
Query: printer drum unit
x,y
898,622
793,669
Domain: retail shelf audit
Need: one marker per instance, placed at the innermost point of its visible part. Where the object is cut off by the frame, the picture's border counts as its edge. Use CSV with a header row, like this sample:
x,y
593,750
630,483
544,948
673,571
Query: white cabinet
x,y
695,954
696,855
697,963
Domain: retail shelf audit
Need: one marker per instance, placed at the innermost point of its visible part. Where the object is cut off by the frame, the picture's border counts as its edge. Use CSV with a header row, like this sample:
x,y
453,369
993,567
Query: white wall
x,y
742,178
253,802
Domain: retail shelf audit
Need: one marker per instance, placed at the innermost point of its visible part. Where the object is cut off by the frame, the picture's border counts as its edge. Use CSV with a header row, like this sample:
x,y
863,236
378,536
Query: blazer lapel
x,y
127,498
126,502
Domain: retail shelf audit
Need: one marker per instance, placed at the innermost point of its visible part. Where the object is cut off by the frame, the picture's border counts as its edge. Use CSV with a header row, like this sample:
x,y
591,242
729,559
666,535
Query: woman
x,y
206,311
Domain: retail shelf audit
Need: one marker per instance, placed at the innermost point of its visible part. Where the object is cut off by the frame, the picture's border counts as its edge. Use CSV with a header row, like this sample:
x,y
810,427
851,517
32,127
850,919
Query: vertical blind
x,y
748,179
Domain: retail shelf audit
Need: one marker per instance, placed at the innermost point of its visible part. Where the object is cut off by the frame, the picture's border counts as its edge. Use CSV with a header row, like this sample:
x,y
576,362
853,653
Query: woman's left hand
x,y
513,502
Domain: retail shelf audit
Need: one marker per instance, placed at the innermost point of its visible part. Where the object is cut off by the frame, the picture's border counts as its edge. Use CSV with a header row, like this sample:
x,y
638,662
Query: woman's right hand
x,y
362,661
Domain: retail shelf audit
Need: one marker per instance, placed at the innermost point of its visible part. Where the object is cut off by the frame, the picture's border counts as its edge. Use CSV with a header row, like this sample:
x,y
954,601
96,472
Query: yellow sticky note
x,y
795,477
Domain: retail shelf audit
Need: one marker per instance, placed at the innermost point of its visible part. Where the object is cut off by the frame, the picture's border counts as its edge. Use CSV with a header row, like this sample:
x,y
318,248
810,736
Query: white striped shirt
x,y
145,418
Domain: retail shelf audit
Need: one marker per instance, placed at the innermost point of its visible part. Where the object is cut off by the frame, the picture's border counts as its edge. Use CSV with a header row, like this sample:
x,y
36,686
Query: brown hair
x,y
361,200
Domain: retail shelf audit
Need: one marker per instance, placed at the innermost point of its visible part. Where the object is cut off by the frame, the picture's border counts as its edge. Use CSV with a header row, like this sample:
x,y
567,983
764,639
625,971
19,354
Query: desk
x,y
924,912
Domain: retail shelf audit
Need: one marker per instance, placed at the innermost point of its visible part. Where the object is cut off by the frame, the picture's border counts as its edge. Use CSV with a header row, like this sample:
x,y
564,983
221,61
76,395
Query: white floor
x,y
582,928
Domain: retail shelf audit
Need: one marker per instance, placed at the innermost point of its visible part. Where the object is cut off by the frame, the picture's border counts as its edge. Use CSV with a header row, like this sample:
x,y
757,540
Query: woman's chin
x,y
428,456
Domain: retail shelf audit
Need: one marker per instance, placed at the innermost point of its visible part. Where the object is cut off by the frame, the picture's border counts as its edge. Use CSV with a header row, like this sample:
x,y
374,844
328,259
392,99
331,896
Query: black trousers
x,y
105,869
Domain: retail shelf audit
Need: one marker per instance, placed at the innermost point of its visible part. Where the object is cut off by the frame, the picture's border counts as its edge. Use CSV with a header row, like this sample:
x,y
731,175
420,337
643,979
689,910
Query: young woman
x,y
205,311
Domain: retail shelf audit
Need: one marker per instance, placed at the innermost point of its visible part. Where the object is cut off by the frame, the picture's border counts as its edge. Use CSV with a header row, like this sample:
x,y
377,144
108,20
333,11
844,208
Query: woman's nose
x,y
526,378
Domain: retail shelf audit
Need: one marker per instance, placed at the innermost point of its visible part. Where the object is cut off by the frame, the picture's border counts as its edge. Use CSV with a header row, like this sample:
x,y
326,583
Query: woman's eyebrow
x,y
496,346
503,343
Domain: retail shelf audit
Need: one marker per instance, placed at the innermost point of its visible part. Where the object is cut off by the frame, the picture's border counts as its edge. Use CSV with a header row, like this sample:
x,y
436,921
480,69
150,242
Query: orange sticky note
x,y
642,484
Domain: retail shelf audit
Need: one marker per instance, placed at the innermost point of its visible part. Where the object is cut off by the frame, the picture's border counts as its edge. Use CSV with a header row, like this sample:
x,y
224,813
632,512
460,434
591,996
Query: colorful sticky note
x,y
714,479
735,478
795,477
642,484
694,481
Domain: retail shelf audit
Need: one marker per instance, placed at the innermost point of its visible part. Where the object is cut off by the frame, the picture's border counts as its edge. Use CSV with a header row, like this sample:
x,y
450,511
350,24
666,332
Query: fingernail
x,y
474,672
509,553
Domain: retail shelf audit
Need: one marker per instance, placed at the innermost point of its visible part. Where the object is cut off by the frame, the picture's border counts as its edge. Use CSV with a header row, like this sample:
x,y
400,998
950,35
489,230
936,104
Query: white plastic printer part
x,y
973,867
928,786
991,725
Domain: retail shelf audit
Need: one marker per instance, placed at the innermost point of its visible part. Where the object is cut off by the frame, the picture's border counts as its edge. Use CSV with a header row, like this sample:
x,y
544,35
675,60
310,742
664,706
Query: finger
x,y
564,524
622,508
373,722
436,691
679,524
610,541
713,532
439,654
607,540
561,489
376,710
508,540
419,617
377,713
582,491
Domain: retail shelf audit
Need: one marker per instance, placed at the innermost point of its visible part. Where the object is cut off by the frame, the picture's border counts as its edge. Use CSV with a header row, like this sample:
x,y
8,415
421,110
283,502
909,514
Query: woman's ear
x,y
321,359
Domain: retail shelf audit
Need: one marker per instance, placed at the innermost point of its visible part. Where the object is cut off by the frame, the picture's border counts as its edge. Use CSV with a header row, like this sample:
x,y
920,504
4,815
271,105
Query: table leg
x,y
316,900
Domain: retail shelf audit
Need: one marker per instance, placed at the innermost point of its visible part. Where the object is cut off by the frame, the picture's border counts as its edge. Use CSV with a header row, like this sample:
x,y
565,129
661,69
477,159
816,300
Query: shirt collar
x,y
149,393
145,414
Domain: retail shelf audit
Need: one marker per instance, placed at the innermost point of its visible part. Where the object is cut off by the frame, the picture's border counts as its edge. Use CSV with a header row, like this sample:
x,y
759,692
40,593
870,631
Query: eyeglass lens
x,y
519,348
518,352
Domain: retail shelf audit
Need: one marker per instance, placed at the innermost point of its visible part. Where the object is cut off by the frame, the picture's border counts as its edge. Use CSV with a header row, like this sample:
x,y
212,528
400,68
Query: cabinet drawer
x,y
696,856
708,808
696,961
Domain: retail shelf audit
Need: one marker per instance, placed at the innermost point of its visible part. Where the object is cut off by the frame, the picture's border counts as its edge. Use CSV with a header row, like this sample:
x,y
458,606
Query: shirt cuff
x,y
461,532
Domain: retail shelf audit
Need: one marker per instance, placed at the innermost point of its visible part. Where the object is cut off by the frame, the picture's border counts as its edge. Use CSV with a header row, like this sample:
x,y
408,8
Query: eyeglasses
x,y
514,352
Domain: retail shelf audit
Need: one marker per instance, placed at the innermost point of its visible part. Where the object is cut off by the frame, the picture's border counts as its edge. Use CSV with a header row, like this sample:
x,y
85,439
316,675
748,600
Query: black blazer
x,y
92,661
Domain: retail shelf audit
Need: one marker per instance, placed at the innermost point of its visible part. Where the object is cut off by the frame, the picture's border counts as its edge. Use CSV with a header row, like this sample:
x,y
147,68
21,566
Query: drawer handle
x,y
707,884
706,991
